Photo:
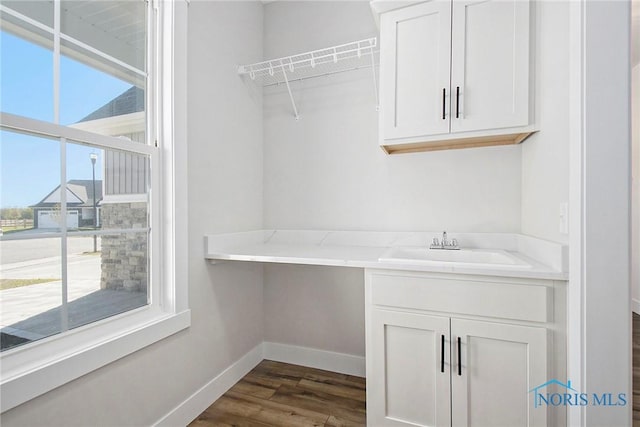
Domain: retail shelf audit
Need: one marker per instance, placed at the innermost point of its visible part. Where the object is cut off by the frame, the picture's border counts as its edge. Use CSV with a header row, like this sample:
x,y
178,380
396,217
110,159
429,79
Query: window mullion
x,y
151,110
64,312
56,62
51,130
153,120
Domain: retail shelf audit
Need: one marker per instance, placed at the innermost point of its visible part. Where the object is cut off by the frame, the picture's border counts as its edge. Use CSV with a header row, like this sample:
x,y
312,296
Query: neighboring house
x,y
129,102
122,116
80,208
125,174
125,188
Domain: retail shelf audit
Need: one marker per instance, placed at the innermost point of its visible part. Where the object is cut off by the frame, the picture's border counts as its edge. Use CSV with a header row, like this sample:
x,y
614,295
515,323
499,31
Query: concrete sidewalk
x,y
34,312
21,303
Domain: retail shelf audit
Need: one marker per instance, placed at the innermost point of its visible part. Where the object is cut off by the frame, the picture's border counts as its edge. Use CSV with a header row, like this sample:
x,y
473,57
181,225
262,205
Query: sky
x,y
30,166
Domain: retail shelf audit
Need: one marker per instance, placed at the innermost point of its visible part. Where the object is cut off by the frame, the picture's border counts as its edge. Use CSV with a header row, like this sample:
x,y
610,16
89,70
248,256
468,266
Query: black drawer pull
x,y
444,95
442,355
457,102
459,357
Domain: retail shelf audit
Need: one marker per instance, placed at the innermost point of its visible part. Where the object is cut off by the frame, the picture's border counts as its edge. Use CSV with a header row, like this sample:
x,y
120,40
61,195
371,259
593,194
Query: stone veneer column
x,y
124,256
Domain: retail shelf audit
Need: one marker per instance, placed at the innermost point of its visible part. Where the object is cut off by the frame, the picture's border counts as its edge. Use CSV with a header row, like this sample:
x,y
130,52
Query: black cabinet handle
x,y
442,355
457,102
444,95
459,357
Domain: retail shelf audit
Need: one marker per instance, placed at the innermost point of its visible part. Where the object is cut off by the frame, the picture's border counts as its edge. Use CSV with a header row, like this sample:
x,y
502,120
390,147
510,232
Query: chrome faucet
x,y
445,243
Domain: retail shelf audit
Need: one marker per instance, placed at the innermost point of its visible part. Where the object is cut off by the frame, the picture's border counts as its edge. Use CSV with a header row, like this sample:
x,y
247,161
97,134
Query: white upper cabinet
x,y
414,96
489,64
455,73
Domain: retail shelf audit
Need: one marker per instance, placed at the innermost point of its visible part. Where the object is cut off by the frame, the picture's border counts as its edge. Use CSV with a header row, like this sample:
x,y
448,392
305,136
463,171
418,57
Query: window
x,y
87,186
85,255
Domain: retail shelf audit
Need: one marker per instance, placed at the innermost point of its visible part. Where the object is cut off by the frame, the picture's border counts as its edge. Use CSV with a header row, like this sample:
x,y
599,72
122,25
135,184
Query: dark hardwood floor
x,y
636,370
279,394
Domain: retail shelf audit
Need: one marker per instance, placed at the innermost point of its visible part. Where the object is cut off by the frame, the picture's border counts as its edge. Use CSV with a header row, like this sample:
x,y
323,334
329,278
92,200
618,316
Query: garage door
x,y
50,219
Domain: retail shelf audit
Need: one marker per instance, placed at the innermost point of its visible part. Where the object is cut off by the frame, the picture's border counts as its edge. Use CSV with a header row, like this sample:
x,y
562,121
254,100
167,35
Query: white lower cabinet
x,y
426,369
494,367
409,382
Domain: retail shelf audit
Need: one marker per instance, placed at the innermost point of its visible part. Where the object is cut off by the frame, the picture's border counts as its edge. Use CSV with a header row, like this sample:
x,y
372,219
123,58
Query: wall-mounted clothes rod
x,y
317,63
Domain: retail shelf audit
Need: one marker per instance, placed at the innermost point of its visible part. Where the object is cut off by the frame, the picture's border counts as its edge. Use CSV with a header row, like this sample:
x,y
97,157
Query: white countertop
x,y
362,249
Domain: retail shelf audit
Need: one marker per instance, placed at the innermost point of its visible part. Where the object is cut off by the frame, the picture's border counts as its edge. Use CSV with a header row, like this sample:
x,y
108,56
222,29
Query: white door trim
x,y
599,301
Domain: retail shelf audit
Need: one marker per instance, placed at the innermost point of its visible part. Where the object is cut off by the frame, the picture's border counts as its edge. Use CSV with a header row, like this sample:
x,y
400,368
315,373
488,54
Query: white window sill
x,y
30,371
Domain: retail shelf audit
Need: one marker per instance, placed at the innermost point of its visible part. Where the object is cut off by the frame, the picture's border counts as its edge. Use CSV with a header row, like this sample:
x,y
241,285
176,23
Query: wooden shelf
x,y
457,143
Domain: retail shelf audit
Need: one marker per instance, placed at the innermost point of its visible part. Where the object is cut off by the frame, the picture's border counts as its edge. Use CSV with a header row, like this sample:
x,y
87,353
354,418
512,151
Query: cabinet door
x,y
499,365
414,70
409,379
489,64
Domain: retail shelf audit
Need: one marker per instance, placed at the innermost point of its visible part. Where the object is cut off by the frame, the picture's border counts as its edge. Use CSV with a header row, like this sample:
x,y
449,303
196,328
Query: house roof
x,y
79,194
130,101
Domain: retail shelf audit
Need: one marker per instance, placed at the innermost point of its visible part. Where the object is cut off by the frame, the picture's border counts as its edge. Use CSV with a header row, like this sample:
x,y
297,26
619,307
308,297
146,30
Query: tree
x,y
26,213
9,213
16,213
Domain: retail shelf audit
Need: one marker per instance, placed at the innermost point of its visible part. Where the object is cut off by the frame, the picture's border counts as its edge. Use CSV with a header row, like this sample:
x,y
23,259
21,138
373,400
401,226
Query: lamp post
x,y
93,158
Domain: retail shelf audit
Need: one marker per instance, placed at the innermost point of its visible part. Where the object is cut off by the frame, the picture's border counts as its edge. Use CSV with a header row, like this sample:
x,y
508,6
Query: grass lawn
x,y
7,230
18,283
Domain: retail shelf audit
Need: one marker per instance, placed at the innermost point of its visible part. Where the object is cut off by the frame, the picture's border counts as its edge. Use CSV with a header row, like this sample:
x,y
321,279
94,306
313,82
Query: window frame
x,y
34,369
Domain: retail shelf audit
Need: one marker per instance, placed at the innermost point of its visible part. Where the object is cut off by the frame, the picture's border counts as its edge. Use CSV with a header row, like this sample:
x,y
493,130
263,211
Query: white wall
x,y
316,307
225,194
326,171
545,155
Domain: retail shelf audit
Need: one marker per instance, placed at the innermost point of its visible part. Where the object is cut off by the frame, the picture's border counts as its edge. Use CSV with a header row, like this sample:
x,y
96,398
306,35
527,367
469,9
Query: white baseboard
x,y
635,306
314,358
195,404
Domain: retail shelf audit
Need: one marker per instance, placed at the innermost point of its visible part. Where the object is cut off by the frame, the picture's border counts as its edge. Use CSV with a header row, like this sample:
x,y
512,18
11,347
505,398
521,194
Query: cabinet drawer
x,y
528,302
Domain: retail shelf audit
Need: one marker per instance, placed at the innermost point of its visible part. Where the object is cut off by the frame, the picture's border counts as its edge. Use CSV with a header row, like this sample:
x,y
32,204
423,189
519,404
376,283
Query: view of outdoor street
x,y
33,260
31,292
